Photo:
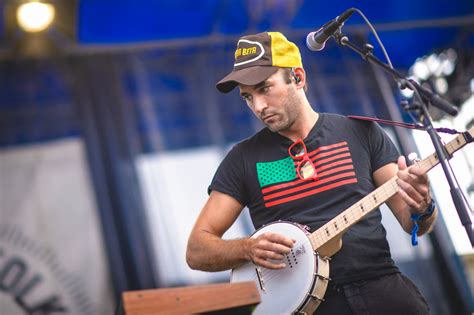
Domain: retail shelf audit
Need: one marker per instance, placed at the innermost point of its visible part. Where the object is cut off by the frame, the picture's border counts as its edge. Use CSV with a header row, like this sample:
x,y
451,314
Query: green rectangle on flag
x,y
276,171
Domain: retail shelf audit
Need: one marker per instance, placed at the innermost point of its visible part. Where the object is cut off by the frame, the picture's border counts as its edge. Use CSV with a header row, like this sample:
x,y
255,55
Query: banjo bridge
x,y
260,279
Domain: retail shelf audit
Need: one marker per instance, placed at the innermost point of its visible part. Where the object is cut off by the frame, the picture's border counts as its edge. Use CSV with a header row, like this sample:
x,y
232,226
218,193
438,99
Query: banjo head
x,y
289,289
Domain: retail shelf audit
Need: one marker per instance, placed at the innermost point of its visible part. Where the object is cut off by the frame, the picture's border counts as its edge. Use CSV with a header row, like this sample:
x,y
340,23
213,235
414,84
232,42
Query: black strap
x,y
405,125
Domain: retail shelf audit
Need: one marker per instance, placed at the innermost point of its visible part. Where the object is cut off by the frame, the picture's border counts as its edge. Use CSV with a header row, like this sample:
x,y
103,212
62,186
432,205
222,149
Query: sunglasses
x,y
305,168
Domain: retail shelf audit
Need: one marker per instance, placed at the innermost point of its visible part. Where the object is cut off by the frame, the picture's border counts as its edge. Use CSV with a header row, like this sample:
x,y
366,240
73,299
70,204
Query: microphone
x,y
317,40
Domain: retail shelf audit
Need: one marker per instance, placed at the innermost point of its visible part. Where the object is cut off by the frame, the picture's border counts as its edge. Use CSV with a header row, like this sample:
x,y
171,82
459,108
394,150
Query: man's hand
x,y
413,195
269,249
414,187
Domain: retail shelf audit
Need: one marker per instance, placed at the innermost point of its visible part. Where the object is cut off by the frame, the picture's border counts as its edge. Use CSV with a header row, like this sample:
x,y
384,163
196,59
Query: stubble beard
x,y
279,126
287,118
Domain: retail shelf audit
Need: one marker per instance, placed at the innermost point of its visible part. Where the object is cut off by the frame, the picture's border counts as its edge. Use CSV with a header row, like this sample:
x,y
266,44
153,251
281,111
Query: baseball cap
x,y
259,56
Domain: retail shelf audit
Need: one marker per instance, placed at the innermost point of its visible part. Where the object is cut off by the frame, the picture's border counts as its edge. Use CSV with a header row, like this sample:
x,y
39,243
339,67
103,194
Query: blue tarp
x,y
118,22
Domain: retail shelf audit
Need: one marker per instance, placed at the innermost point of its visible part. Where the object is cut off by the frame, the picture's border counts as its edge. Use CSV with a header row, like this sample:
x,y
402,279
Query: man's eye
x,y
247,97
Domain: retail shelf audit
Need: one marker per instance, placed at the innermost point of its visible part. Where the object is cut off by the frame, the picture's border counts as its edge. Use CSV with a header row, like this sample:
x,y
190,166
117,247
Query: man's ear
x,y
299,75
297,78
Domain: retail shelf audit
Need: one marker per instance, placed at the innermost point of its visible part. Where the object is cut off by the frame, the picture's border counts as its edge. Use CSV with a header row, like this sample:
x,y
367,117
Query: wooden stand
x,y
225,298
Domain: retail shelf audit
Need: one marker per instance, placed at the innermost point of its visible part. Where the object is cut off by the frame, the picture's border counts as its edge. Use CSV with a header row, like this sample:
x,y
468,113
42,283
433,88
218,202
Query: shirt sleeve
x,y
229,176
382,149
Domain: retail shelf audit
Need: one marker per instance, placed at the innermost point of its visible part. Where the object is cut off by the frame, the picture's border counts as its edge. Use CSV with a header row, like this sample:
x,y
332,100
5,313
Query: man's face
x,y
274,101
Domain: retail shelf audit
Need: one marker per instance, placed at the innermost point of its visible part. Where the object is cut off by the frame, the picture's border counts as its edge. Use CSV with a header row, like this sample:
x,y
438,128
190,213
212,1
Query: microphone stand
x,y
428,97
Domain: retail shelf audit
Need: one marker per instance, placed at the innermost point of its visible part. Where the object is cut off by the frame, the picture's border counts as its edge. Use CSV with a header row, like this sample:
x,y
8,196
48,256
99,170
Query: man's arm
x,y
209,252
413,196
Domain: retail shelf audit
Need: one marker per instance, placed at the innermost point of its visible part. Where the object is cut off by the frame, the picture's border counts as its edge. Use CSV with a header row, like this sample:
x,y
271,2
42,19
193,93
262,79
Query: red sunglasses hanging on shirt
x,y
305,168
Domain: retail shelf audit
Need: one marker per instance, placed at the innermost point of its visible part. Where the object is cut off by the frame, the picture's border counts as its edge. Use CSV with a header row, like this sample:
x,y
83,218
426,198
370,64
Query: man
x,y
307,167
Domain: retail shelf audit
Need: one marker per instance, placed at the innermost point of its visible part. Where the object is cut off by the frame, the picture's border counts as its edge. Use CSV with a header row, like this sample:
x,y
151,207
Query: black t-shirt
x,y
259,173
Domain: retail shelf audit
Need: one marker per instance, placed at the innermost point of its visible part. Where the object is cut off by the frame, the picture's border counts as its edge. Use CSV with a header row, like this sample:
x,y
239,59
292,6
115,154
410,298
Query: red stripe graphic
x,y
332,158
335,170
323,167
311,192
309,184
327,147
329,153
334,166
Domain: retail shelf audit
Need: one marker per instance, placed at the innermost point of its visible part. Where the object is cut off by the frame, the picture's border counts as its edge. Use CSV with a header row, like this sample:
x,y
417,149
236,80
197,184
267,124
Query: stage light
x,y
448,62
441,85
448,73
433,64
35,16
420,69
433,71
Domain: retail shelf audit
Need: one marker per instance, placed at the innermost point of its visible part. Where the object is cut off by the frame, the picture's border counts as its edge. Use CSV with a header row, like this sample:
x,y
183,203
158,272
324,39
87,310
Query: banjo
x,y
307,264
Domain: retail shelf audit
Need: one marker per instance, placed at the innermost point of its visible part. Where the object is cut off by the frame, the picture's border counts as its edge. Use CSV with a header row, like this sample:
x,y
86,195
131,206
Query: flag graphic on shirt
x,y
280,184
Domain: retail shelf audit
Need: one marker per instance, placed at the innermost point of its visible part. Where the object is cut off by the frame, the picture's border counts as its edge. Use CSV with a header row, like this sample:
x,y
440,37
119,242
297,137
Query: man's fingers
x,y
414,190
410,190
268,254
269,250
278,239
269,264
402,164
412,203
418,175
269,259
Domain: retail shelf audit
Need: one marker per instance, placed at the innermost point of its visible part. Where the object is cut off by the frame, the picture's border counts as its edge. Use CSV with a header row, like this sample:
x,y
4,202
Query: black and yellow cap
x,y
259,56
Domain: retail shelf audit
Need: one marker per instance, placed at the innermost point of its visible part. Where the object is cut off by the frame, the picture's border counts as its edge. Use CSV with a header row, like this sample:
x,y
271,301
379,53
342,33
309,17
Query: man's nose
x,y
260,104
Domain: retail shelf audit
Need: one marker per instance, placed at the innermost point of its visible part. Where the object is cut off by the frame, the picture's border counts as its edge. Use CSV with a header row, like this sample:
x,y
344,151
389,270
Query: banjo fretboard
x,y
338,225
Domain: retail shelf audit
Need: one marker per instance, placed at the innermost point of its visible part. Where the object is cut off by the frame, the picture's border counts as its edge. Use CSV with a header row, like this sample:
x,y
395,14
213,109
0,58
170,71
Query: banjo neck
x,y
335,228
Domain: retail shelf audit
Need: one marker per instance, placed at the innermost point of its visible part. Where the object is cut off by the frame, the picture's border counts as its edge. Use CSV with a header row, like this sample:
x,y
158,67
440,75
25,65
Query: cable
x,y
371,27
